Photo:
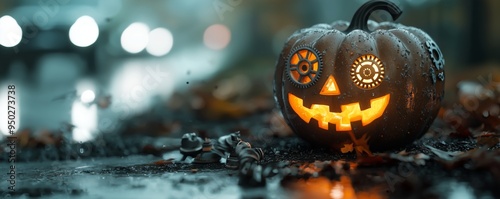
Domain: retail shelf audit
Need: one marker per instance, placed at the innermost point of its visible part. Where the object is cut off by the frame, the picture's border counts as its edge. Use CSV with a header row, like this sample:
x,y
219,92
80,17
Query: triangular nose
x,y
330,87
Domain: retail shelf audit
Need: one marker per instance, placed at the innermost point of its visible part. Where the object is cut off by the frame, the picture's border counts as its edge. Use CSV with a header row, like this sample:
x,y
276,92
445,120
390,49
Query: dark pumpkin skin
x,y
414,78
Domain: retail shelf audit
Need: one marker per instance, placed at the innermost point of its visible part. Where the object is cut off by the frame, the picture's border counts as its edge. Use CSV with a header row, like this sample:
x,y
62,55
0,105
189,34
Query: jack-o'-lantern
x,y
368,84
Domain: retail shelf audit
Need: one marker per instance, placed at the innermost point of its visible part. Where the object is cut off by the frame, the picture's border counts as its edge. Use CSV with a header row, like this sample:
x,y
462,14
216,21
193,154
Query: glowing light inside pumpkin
x,y
367,72
330,87
350,112
304,65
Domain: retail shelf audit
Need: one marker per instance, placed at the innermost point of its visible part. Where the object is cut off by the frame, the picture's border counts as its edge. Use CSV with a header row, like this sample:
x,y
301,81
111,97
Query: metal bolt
x,y
191,145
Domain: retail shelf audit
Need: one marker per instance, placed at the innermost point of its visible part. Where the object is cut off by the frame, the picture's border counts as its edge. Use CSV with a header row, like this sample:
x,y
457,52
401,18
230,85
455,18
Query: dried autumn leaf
x,y
361,145
347,148
445,155
164,162
477,159
488,140
418,159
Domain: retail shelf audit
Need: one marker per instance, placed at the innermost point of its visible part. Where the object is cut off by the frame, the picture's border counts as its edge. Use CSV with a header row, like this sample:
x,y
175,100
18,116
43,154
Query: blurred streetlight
x,y
84,32
10,31
217,37
135,37
160,42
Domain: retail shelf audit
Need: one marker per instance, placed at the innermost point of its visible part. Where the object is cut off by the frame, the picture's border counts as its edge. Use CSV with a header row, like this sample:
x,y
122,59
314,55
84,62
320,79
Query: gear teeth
x,y
316,56
367,77
435,55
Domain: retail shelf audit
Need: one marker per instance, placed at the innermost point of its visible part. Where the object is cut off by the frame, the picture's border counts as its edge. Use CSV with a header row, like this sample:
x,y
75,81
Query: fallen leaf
x,y
418,159
347,148
445,155
164,162
488,140
362,145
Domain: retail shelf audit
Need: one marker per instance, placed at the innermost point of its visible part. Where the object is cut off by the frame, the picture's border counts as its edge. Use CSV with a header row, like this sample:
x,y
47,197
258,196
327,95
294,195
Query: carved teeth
x,y
350,112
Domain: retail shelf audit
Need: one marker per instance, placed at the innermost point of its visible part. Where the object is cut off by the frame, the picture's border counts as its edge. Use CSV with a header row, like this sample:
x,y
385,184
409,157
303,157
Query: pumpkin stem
x,y
360,18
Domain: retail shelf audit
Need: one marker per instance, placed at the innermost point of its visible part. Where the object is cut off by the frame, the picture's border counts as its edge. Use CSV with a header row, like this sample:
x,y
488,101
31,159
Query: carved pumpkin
x,y
364,84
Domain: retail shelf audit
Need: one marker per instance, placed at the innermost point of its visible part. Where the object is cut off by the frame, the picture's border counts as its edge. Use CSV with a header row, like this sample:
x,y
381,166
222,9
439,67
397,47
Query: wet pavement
x,y
298,171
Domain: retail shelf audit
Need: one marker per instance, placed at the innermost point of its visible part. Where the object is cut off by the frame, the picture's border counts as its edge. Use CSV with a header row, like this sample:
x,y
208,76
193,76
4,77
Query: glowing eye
x,y
367,72
304,67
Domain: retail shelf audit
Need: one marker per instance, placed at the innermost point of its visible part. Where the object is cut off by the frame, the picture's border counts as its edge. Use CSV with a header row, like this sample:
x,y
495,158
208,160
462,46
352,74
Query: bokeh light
x,y
85,120
10,31
84,32
87,96
160,42
135,37
217,37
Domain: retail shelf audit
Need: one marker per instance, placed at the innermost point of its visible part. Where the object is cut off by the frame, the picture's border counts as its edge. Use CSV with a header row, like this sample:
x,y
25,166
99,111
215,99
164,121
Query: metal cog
x,y
435,54
303,71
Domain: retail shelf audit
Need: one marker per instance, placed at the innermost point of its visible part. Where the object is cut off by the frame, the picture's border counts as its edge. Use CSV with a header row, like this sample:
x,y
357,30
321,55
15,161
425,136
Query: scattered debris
x,y
191,145
207,155
251,173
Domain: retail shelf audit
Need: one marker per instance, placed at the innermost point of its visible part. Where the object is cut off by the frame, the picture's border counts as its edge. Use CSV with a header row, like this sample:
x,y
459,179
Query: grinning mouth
x,y
350,112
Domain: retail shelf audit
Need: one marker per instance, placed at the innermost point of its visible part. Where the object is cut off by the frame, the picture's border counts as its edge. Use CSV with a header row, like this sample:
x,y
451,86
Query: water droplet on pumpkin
x,y
433,75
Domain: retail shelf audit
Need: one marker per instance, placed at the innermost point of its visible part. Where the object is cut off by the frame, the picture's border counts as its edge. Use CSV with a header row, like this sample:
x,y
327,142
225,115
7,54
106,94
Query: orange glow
x,y
324,188
350,112
330,87
304,66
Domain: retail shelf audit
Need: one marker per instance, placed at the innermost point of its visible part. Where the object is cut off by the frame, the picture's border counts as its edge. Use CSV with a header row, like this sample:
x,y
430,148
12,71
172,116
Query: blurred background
x,y
86,68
